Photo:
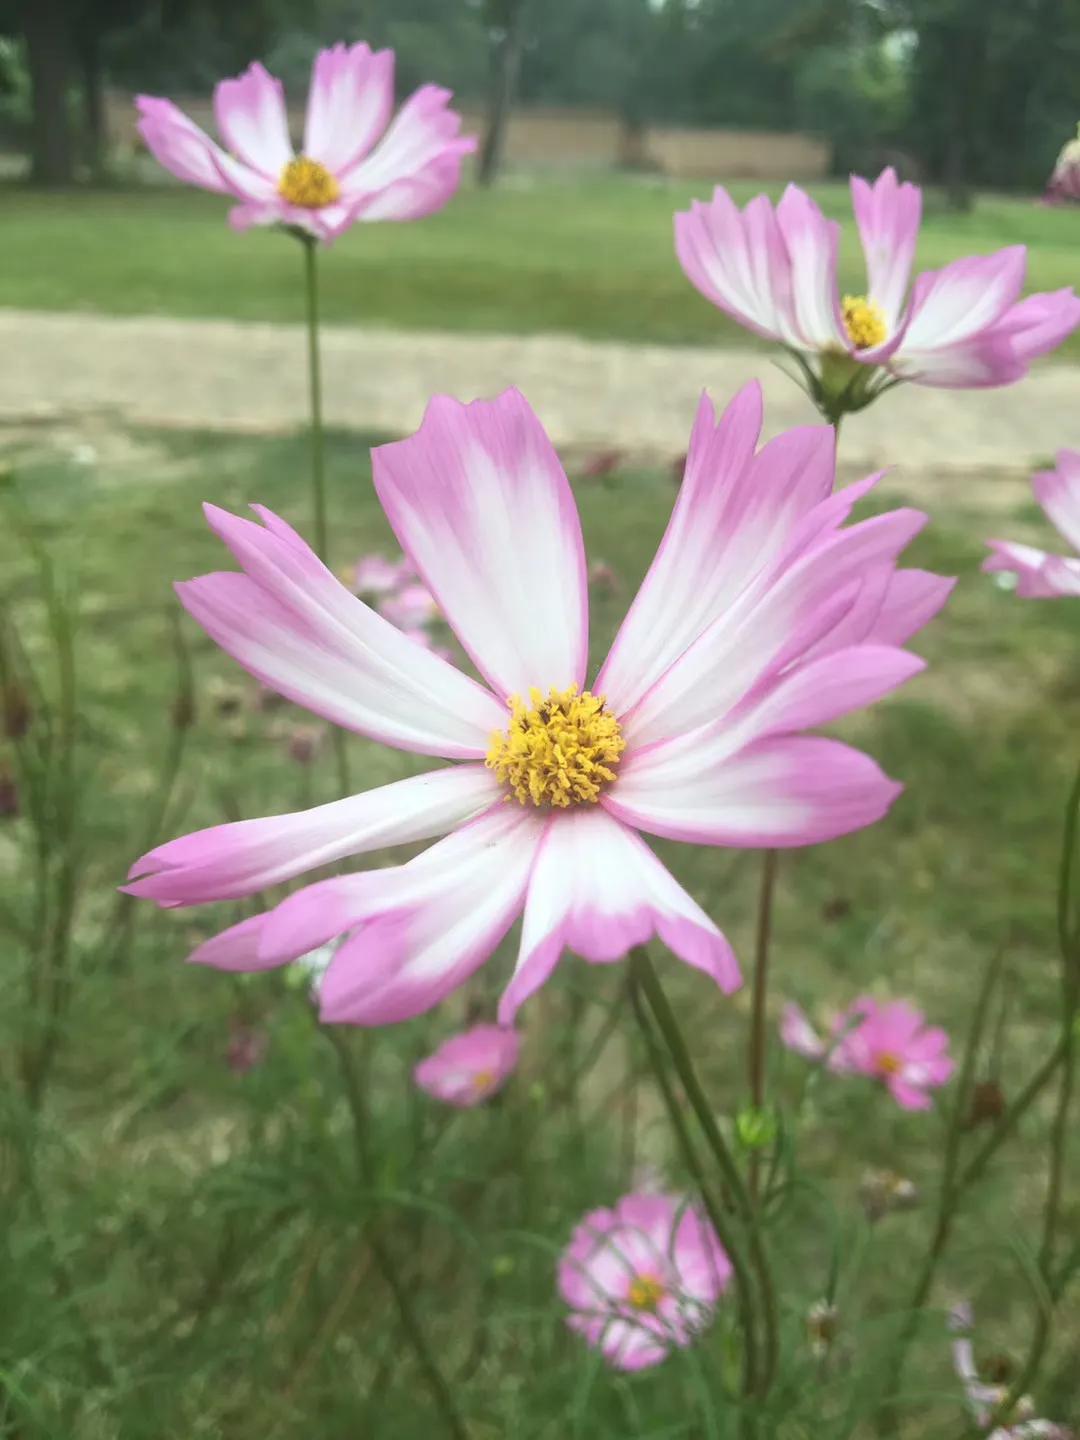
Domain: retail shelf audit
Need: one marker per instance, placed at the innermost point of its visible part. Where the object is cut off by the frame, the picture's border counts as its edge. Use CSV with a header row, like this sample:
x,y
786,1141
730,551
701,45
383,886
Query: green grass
x,y
193,1257
591,256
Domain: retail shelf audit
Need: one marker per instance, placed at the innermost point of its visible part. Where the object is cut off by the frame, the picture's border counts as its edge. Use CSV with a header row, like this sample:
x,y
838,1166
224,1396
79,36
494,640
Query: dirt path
x,y
639,398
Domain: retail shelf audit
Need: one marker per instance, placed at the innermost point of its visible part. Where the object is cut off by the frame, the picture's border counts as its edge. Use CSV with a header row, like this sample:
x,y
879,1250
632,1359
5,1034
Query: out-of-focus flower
x,y
247,1048
602,576
601,464
1041,576
374,575
642,1278
303,743
984,1398
890,1043
883,1192
1064,183
410,607
774,270
822,1324
347,169
692,731
471,1067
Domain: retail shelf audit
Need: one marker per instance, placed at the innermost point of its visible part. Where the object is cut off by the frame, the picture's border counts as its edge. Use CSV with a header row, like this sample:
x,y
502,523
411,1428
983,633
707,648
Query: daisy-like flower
x,y
1041,576
774,270
1064,183
889,1043
471,1067
762,616
984,1398
374,575
354,163
410,607
642,1278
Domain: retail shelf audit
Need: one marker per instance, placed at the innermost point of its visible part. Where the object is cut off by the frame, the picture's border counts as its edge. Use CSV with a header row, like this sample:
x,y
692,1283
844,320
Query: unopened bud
x,y
17,712
987,1104
756,1127
881,1192
822,1324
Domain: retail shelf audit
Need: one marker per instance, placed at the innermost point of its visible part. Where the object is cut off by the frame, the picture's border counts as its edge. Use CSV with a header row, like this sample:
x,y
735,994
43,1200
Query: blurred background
x,y
186,1241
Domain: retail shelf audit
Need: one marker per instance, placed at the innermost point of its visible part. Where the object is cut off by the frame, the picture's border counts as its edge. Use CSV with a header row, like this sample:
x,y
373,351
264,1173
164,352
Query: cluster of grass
x,y
591,256
188,1243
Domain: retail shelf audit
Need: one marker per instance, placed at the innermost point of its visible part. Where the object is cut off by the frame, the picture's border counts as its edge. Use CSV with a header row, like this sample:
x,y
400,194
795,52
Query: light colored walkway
x,y
638,398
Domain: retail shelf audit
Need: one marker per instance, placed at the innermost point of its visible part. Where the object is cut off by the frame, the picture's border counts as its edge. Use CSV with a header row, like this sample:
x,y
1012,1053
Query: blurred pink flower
x,y
470,1067
347,169
984,1399
410,607
890,1043
642,1278
603,576
1041,576
774,270
1064,182
374,575
601,464
694,731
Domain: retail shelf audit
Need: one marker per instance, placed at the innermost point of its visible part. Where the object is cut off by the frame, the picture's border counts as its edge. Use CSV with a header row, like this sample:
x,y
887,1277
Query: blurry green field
x,y
196,1261
592,256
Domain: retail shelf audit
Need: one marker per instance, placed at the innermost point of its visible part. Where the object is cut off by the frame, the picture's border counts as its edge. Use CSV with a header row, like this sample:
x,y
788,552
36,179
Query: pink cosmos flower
x,y
642,1278
983,1398
347,168
374,575
1041,576
890,1043
763,616
470,1067
774,270
410,607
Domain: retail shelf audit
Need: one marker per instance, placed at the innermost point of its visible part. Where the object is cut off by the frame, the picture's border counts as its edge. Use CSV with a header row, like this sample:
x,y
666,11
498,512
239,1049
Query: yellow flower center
x,y
864,321
308,183
561,750
646,1292
888,1063
483,1080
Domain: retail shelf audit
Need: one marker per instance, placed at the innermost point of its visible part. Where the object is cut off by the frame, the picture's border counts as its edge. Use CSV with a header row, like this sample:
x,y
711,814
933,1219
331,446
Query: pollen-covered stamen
x,y
887,1062
560,750
646,1292
864,321
308,183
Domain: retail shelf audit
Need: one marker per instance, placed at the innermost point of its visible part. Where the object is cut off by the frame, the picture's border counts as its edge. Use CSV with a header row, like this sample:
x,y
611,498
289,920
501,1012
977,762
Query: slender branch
x,y
318,467
744,1289
318,454
436,1382
680,1055
758,1016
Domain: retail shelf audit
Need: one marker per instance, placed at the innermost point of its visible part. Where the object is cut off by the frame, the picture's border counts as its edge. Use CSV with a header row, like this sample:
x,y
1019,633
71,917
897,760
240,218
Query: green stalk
x,y
441,1394
744,1289
318,465
759,1005
318,455
684,1068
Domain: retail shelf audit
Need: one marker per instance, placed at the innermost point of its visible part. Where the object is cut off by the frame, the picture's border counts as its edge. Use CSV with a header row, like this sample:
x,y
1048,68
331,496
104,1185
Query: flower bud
x,y
756,1127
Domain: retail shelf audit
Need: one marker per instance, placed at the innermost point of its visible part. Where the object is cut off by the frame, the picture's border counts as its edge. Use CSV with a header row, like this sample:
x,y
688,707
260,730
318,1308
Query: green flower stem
x,y
744,1289
318,466
441,1394
759,1005
684,1068
318,456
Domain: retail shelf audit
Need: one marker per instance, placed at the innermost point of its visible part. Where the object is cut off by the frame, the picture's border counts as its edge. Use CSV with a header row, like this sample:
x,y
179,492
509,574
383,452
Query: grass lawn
x,y
589,255
193,1256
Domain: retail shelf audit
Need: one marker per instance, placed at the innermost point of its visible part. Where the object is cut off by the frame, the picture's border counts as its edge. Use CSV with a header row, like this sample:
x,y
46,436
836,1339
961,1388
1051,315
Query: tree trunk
x,y
507,63
45,25
93,101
